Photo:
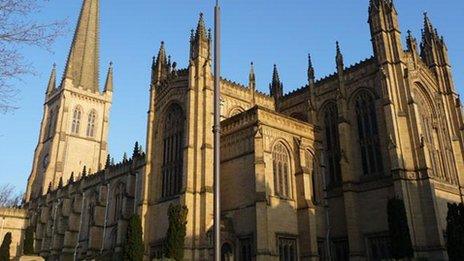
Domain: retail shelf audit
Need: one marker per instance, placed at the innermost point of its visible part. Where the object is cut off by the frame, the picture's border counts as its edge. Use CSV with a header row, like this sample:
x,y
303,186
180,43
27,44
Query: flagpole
x,y
217,132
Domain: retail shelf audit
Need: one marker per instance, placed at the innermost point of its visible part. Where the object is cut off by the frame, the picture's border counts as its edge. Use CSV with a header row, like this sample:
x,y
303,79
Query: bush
x,y
29,241
399,229
5,248
133,248
175,238
455,232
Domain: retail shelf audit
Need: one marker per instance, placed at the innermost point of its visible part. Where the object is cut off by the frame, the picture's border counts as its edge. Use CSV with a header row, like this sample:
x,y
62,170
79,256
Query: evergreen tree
x,y
133,248
124,158
455,231
175,238
399,229
5,248
28,247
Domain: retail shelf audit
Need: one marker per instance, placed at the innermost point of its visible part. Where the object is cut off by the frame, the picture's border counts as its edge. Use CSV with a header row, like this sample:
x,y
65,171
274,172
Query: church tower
x,y
74,127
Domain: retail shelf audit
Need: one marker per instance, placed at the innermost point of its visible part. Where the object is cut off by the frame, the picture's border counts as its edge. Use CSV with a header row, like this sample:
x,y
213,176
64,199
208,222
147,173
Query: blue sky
x,y
262,31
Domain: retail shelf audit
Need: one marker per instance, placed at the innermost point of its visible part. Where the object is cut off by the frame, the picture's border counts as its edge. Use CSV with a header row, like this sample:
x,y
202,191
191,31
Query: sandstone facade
x,y
299,170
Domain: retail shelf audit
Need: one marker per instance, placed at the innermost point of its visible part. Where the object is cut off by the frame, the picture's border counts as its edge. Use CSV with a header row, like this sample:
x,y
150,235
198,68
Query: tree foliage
x,y
175,238
455,231
9,198
133,248
28,247
399,229
5,247
19,28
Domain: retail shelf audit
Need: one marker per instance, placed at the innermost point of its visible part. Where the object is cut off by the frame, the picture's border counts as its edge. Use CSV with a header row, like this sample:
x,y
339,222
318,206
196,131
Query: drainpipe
x,y
106,217
80,227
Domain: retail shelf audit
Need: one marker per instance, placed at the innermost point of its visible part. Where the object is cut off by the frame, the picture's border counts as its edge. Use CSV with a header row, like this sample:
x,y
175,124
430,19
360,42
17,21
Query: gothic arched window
x,y
432,136
118,201
332,145
76,122
281,169
173,144
91,124
368,134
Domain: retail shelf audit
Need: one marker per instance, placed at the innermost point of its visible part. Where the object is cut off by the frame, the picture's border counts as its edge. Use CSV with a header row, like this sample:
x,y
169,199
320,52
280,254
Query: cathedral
x,y
305,175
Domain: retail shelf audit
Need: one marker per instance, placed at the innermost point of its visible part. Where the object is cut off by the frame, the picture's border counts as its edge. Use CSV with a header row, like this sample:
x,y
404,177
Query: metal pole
x,y
217,132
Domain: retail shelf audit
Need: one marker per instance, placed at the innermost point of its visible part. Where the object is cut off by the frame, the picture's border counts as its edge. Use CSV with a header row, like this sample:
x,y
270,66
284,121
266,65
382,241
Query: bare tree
x,y
18,28
9,197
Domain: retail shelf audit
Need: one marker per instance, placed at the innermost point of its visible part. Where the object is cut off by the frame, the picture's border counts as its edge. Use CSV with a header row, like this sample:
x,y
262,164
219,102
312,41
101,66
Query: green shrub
x,y
29,241
133,247
5,248
455,232
399,229
175,237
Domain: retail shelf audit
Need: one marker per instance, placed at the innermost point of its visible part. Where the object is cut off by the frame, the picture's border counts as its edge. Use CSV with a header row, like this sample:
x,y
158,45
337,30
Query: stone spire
x,y
428,27
339,58
311,76
109,79
160,66
200,41
433,47
161,59
201,29
52,82
252,83
82,67
276,86
251,76
411,42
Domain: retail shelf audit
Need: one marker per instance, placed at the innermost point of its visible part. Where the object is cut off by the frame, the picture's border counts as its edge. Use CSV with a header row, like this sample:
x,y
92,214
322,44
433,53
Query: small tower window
x,y
76,122
91,124
118,201
281,166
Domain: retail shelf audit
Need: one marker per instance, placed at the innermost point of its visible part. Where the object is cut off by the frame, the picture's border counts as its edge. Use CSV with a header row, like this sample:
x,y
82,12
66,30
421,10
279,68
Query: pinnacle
x,y
201,28
161,54
252,72
310,69
275,75
52,82
339,56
